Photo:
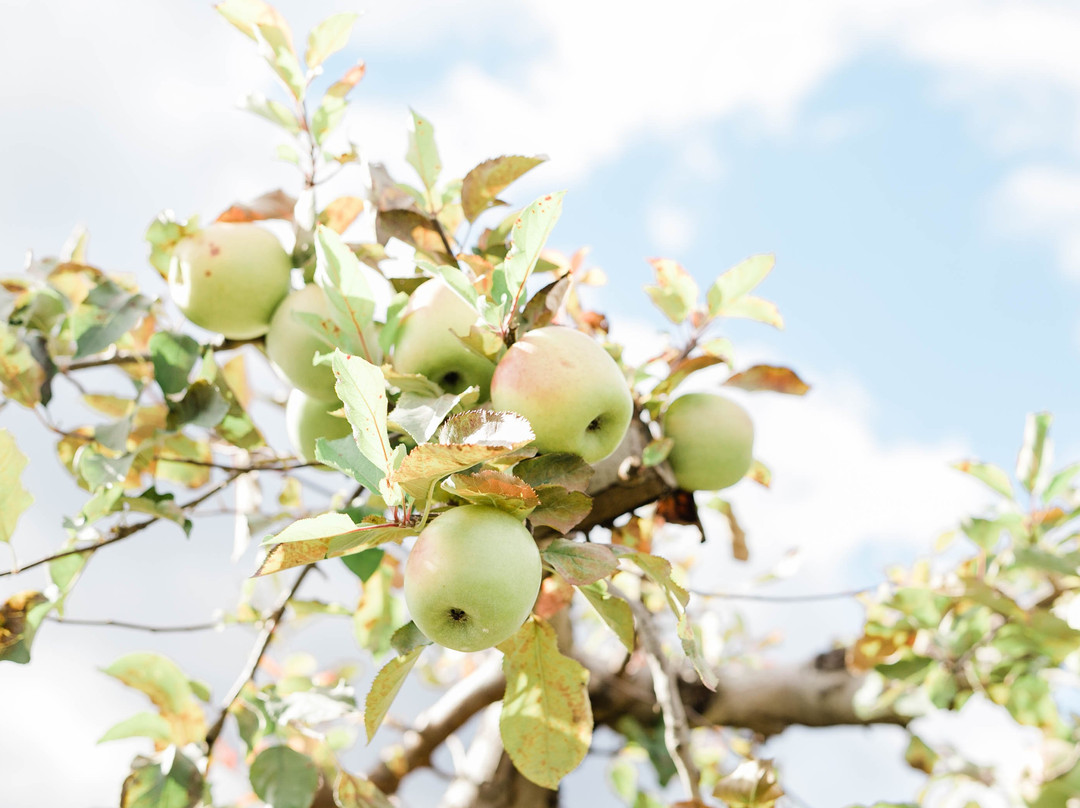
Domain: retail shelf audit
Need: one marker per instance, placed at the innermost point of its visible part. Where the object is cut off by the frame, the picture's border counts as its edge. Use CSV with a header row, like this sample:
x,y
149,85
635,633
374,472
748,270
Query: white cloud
x,y
1043,201
672,228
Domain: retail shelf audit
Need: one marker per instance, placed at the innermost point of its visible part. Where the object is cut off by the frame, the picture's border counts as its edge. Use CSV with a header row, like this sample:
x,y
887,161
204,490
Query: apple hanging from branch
x,y
714,441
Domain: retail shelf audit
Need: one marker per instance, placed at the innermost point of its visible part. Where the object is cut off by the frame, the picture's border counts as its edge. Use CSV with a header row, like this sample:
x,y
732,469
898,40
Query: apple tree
x,y
468,440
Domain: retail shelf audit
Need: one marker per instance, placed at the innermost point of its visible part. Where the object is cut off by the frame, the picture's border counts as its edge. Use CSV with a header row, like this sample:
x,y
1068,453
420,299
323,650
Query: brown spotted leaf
x,y
496,488
168,688
555,595
769,377
414,229
482,186
271,205
546,723
579,562
388,682
354,791
559,508
329,535
760,473
557,468
20,617
21,377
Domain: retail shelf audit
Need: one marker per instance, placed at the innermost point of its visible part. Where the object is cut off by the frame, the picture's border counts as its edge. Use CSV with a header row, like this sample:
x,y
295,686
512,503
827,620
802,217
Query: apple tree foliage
x,y
176,431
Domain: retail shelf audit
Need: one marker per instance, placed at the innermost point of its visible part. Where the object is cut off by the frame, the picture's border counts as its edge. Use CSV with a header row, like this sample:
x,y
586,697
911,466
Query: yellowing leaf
x,y
168,688
14,498
341,213
353,791
546,722
769,377
21,376
326,536
481,187
676,291
271,205
496,488
614,611
20,616
387,683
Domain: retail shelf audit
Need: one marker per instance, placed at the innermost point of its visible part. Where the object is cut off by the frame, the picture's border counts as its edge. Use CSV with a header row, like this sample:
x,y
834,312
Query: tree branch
x,y
120,532
74,621
254,658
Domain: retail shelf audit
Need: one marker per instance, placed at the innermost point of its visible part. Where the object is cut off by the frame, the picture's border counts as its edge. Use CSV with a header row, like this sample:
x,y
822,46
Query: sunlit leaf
x,y
173,355
173,781
495,488
284,778
108,312
528,237
614,611
353,791
328,37
275,45
362,389
682,370
656,451
1029,462
769,377
421,416
738,281
422,154
546,722
140,725
14,498
273,111
675,292
351,301
753,784
341,213
385,688
559,508
167,687
557,468
246,15
414,229
482,185
1060,482
753,308
989,474
20,616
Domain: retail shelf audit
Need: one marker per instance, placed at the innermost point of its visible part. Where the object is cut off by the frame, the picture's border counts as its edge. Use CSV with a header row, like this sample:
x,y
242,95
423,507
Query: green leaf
x,y
389,332
364,563
557,468
1059,483
140,725
385,688
202,405
172,782
546,722
989,474
20,616
284,778
344,455
616,612
1029,462
580,563
408,638
527,239
481,187
328,37
108,313
656,451
236,427
173,355
422,154
352,791
496,488
753,308
738,281
659,571
464,441
247,14
273,111
559,508
276,47
692,647
362,389
352,304
379,614
326,536
676,291
14,498
99,470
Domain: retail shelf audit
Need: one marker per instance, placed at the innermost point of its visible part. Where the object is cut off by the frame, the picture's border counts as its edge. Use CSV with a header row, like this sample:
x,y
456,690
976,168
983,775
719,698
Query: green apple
x,y
292,345
229,278
426,343
472,577
714,441
307,419
573,393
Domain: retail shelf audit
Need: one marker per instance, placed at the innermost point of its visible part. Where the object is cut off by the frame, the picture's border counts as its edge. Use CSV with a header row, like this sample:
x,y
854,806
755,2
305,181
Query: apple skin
x,y
308,418
472,577
714,441
229,278
292,346
426,343
571,390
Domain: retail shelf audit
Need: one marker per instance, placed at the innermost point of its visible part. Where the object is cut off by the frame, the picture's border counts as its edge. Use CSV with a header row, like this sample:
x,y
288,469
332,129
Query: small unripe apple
x,y
307,419
569,388
229,278
472,577
427,344
714,441
292,345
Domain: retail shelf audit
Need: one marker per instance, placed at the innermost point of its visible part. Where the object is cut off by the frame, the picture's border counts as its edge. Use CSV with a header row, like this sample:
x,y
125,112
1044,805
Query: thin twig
x,y
103,361
120,532
74,621
847,593
254,658
279,464
666,687
446,241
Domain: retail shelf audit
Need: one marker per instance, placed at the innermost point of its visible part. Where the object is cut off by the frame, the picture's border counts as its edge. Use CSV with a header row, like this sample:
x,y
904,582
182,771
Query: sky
x,y
913,165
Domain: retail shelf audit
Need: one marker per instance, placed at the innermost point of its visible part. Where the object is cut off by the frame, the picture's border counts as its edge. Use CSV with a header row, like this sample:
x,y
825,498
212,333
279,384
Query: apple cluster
x,y
474,571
